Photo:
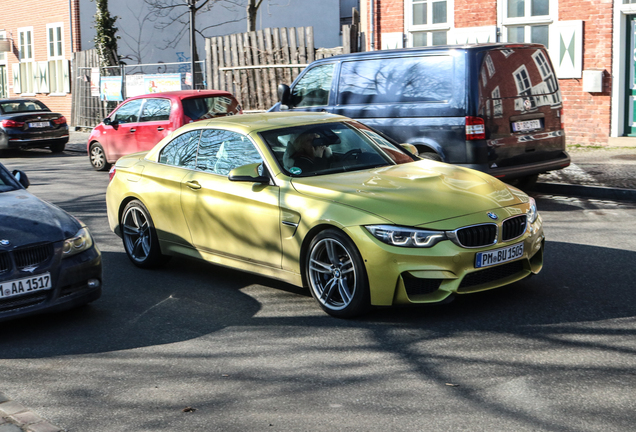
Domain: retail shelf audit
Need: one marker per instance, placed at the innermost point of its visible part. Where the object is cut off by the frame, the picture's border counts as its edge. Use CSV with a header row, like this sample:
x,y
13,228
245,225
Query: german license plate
x,y
39,124
18,287
498,256
528,125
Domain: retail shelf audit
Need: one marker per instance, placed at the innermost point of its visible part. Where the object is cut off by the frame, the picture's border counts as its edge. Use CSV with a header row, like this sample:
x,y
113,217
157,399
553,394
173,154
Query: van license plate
x,y
524,126
498,256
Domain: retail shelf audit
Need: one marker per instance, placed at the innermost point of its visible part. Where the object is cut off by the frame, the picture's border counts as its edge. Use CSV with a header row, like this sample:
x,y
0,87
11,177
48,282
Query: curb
x,y
599,192
14,417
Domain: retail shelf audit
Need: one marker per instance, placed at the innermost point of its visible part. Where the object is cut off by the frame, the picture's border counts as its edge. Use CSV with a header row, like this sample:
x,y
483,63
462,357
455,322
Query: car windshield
x,y
209,107
22,106
6,181
327,148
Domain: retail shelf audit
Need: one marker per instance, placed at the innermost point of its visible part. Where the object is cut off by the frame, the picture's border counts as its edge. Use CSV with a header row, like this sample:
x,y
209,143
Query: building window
x,y
27,65
428,21
55,53
529,20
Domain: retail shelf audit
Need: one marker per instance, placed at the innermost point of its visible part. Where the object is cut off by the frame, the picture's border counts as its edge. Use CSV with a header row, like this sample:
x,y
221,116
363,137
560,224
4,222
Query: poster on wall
x,y
135,85
95,75
110,88
162,82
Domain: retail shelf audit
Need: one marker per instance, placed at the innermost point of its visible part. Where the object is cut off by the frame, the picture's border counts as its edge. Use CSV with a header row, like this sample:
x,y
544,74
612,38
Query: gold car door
x,y
239,220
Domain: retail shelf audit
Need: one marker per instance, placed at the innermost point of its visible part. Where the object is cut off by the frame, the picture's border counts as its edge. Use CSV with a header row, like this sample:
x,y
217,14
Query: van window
x,y
524,74
393,80
313,88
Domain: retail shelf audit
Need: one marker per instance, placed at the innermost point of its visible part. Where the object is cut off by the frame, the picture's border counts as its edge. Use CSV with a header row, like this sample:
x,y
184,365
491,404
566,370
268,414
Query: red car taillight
x,y
11,124
60,120
475,128
111,173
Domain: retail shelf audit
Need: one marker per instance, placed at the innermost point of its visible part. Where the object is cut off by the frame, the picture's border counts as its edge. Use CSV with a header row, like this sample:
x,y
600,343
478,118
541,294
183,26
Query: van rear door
x,y
520,102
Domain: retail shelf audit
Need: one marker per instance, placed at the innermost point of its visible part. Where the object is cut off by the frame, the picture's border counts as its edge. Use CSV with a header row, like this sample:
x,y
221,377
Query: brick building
x,y
37,42
590,44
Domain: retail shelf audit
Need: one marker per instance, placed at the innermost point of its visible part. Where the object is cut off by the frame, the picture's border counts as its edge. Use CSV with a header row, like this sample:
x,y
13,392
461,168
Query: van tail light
x,y
11,124
111,173
61,120
475,128
560,114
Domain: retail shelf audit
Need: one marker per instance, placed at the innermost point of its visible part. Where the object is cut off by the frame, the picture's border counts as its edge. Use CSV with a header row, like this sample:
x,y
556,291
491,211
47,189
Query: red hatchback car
x,y
140,122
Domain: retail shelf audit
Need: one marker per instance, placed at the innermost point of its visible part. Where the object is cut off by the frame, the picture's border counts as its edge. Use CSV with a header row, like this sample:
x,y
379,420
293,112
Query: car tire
x,y
336,275
97,157
140,237
527,183
57,148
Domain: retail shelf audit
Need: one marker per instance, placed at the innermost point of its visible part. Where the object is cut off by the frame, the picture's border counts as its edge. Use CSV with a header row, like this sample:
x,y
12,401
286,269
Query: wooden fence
x,y
251,65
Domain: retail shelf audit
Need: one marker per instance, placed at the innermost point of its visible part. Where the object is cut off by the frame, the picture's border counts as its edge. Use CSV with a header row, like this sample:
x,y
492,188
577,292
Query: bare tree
x,y
174,14
252,11
133,35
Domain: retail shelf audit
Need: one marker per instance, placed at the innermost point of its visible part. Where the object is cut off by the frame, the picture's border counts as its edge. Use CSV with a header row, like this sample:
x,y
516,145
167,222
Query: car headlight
x,y
406,237
532,212
80,242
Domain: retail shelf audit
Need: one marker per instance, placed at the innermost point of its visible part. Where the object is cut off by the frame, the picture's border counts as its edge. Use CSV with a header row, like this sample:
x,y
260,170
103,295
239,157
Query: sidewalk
x,y
604,173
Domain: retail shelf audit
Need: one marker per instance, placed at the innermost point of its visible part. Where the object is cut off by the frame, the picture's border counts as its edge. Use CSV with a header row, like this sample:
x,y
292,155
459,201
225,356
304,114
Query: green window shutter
x,y
17,88
566,48
35,77
66,75
43,76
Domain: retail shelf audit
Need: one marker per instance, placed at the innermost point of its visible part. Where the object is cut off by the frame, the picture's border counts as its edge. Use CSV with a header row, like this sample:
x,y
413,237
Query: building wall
x,y
473,13
13,16
587,116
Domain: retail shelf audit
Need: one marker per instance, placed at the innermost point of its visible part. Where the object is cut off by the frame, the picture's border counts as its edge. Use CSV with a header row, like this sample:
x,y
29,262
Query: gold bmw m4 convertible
x,y
325,202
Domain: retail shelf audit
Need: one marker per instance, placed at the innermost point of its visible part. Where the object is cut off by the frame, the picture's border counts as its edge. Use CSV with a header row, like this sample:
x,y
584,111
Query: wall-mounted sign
x,y
110,88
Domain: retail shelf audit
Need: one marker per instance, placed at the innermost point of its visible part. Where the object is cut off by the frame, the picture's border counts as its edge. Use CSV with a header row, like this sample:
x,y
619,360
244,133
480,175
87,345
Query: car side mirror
x,y
283,95
110,122
410,148
22,178
248,173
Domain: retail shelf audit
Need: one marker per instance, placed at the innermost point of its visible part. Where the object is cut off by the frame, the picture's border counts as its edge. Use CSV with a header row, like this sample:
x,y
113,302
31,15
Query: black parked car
x,y
492,107
48,260
28,123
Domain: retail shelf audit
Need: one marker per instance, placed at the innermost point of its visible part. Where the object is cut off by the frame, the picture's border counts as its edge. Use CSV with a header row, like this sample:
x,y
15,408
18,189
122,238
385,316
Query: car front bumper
x,y
76,280
400,275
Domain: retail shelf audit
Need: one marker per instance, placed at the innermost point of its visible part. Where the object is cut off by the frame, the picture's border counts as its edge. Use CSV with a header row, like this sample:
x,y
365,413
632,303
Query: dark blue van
x,y
496,108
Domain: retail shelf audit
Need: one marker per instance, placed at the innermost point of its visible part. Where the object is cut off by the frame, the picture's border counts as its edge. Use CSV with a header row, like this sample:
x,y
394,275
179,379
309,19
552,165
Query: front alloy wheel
x,y
139,236
337,278
98,157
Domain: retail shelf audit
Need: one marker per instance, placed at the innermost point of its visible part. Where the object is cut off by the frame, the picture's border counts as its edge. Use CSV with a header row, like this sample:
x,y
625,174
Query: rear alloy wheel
x,y
98,157
336,275
140,237
57,148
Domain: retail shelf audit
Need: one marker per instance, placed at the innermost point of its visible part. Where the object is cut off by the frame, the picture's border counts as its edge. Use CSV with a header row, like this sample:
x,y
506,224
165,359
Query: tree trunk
x,y
252,9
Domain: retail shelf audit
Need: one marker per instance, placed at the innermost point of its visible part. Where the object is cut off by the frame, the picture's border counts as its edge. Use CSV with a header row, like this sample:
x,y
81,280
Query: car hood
x,y
25,219
415,193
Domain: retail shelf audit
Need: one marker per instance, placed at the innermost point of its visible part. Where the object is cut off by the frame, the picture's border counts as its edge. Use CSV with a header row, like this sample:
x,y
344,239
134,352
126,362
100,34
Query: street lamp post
x,y
192,6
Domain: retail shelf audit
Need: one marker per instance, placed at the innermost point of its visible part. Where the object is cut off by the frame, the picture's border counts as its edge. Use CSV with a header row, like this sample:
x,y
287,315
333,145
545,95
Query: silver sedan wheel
x,y
137,235
332,274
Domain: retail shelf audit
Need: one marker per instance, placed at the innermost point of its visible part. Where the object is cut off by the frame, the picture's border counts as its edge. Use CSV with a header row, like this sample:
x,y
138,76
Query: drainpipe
x,y
70,20
371,35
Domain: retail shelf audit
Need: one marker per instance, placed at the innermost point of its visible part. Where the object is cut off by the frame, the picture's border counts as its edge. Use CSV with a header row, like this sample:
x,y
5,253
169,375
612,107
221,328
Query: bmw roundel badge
x,y
5,242
492,216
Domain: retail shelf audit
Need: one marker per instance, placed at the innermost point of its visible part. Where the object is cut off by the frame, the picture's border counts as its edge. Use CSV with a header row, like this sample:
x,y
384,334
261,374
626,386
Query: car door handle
x,y
159,128
132,130
193,184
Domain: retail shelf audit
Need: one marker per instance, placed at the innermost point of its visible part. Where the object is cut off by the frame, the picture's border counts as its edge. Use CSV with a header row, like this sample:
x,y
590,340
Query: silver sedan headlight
x,y
532,212
80,242
405,236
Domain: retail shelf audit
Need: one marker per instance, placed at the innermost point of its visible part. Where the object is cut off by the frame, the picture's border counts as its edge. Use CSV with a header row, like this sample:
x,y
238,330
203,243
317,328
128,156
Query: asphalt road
x,y
556,352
